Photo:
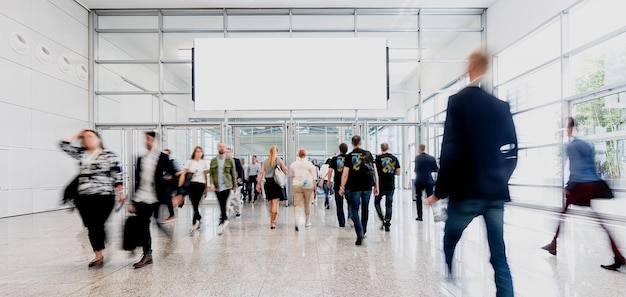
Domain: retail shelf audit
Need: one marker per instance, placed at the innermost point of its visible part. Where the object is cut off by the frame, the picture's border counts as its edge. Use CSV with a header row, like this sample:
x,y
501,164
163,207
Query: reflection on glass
x,y
601,65
538,166
594,18
601,115
524,55
539,126
534,89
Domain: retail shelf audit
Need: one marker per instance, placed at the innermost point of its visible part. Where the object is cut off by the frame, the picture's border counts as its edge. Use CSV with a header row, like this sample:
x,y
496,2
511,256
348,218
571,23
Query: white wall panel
x,y
18,10
49,129
510,20
108,110
15,83
73,9
16,126
21,167
54,96
55,23
47,199
10,27
53,169
4,203
19,202
53,67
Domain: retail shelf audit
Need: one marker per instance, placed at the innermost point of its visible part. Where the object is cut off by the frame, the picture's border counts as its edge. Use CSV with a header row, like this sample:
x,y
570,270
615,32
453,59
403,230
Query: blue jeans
x,y
388,205
356,199
326,192
460,214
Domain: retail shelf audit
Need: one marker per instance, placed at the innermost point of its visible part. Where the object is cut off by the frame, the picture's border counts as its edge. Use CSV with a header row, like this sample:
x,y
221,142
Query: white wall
x,y
39,102
510,20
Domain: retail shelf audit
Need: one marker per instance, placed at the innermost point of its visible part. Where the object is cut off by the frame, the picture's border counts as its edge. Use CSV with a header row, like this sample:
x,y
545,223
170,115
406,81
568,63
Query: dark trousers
x,y
460,214
617,254
388,194
222,198
94,210
341,218
252,188
196,190
166,200
356,199
419,188
144,211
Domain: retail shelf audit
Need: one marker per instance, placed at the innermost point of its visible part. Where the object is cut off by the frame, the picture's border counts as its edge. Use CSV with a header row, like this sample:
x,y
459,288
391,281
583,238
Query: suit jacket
x,y
239,169
163,166
479,149
424,165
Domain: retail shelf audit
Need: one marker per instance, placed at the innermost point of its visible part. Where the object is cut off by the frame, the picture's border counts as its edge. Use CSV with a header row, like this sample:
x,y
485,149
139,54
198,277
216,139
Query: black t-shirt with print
x,y
337,164
358,180
386,165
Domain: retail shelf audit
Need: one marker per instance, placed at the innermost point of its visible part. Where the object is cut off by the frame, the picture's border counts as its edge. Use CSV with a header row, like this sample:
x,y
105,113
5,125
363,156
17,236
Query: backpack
x,y
368,162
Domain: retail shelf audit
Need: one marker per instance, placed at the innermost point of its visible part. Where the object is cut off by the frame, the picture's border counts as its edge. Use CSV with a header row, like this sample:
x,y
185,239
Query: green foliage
x,y
593,114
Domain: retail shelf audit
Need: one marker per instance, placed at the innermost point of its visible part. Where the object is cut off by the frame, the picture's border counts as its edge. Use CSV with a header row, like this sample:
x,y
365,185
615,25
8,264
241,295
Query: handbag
x,y
71,192
279,176
131,239
187,182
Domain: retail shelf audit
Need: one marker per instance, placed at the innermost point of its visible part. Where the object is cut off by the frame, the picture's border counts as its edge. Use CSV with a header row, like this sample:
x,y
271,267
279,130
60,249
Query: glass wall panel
x,y
538,166
128,77
540,87
322,34
539,126
544,196
177,77
128,22
198,22
449,45
436,75
539,47
401,22
184,108
128,46
450,21
127,109
594,18
322,22
258,34
258,22
394,39
601,115
177,46
610,157
601,65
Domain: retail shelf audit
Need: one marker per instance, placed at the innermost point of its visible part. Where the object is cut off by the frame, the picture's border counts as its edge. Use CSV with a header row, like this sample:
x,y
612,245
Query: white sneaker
x,y
193,229
308,224
351,223
220,229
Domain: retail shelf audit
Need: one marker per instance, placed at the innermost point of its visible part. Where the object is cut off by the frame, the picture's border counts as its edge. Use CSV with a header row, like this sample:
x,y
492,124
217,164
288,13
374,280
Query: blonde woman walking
x,y
302,174
273,191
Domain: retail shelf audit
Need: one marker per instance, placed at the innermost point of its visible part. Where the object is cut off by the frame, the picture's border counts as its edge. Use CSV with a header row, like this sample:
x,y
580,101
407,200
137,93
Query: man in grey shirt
x,y
252,172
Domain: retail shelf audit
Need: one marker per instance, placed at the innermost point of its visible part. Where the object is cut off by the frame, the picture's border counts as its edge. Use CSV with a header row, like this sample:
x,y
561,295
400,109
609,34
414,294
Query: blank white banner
x,y
290,73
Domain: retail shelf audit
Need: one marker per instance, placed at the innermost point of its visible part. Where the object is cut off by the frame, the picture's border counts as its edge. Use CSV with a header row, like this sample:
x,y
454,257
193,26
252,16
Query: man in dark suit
x,y
235,198
478,156
425,164
149,190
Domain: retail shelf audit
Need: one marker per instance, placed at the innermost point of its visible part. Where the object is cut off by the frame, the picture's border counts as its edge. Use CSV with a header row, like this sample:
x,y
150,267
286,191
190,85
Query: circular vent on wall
x,y
43,54
19,43
64,63
81,71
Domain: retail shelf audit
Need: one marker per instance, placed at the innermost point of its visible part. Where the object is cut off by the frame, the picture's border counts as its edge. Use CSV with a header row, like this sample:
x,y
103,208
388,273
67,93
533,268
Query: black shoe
x,y
238,215
383,226
145,260
387,227
615,266
418,219
551,248
96,263
297,228
359,241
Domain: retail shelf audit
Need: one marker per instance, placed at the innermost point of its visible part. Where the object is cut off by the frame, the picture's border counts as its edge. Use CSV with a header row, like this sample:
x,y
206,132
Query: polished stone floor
x,y
46,255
